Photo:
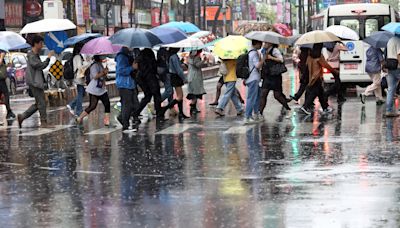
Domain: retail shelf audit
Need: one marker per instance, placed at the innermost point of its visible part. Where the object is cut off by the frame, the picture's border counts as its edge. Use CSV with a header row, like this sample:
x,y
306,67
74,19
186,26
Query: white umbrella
x,y
189,42
10,40
343,32
317,36
48,25
267,36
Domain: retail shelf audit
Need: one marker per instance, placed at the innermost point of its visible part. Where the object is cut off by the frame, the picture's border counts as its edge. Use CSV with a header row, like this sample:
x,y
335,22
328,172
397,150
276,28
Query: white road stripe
x,y
104,130
43,131
177,129
11,164
147,175
239,129
88,172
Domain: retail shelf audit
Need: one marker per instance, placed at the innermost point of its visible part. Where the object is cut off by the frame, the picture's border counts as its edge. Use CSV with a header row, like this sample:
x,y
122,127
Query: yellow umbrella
x,y
231,47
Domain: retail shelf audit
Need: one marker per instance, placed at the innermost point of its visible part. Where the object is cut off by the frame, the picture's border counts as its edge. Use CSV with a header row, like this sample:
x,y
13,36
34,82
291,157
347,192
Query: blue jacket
x,y
123,72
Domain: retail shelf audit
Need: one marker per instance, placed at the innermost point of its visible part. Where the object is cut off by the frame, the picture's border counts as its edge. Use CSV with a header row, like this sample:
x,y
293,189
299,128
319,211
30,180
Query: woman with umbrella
x,y
272,81
97,90
195,80
177,81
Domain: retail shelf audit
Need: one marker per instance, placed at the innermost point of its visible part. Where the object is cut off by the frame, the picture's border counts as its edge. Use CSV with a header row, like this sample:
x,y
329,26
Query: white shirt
x,y
79,68
254,59
393,48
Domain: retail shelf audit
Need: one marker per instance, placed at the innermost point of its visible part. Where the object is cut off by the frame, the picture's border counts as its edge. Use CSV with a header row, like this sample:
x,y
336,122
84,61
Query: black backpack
x,y
87,74
68,69
242,66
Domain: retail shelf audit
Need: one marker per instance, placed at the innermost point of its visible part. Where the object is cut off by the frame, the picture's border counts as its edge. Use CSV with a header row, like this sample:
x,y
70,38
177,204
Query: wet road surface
x,y
340,170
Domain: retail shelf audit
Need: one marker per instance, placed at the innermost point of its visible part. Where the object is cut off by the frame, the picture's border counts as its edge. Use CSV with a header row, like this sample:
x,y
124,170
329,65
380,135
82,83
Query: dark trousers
x,y
336,89
94,100
40,104
304,78
313,92
150,88
4,91
129,103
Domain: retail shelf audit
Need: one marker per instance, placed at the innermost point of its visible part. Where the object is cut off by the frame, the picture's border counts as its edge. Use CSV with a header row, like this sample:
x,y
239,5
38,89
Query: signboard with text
x,y
155,17
13,14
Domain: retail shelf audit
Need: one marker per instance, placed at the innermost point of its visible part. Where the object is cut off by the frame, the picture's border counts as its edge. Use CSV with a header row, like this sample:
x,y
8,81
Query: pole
x,y
130,13
161,11
184,11
224,18
205,14
199,13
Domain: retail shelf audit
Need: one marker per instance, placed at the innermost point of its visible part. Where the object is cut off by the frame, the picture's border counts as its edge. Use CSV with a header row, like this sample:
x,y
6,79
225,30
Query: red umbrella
x,y
283,29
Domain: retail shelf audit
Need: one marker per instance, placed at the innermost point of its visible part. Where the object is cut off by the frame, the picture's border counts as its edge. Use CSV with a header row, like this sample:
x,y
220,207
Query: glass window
x,y
351,23
22,60
371,25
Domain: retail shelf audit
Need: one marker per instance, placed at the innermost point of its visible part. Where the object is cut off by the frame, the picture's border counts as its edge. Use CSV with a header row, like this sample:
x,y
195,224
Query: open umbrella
x,y
207,37
379,39
283,29
169,35
343,32
186,27
291,40
135,38
231,47
393,27
48,25
317,36
267,36
188,43
100,46
10,40
79,38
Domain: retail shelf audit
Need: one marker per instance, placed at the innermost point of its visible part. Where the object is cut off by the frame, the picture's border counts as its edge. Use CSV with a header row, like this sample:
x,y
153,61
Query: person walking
x,y
177,81
148,81
393,76
373,67
315,63
256,61
3,86
127,88
228,70
195,80
272,81
79,67
35,81
303,72
162,71
97,90
334,61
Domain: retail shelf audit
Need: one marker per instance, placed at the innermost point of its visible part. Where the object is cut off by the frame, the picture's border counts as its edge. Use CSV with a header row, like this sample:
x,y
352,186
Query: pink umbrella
x,y
100,46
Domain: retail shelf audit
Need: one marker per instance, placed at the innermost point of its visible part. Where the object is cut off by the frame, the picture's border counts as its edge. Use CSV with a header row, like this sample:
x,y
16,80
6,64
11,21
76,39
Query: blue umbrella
x,y
393,27
186,27
169,35
135,38
22,46
379,39
79,38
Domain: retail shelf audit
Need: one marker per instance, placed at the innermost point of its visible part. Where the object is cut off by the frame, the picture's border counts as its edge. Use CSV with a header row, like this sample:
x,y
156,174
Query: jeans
x,y
392,78
169,91
230,93
40,104
129,103
253,98
76,104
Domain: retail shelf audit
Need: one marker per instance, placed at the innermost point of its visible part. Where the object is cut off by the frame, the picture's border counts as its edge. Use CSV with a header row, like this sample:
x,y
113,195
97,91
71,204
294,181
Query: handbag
x,y
277,69
391,64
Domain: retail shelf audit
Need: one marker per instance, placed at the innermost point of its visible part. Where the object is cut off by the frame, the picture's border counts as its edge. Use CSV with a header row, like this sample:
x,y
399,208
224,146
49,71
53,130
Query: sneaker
x,y
117,106
305,110
328,110
380,102
289,114
362,98
259,117
128,131
77,121
249,121
392,114
219,112
20,119
293,98
70,110
10,115
240,113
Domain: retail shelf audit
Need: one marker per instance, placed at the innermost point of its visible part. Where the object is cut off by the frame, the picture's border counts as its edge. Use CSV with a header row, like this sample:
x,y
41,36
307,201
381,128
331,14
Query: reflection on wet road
x,y
341,170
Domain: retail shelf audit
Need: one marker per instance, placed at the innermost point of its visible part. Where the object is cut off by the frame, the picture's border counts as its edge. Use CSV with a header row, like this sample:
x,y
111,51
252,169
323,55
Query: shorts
x,y
176,81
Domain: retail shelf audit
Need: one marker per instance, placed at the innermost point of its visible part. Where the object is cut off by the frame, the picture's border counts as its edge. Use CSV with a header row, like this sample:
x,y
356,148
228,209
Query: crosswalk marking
x,y
104,130
238,130
43,131
177,129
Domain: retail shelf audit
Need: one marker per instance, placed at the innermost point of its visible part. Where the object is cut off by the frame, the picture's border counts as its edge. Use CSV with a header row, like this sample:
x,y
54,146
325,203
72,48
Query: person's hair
x,y
174,50
77,49
35,40
316,50
97,58
255,42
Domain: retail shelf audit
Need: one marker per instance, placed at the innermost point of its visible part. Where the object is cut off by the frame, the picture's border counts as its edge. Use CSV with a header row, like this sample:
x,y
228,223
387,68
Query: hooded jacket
x,y
123,71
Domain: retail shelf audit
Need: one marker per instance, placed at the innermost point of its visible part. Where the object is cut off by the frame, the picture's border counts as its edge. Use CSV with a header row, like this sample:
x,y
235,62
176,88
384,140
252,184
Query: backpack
x,y
242,66
68,69
87,74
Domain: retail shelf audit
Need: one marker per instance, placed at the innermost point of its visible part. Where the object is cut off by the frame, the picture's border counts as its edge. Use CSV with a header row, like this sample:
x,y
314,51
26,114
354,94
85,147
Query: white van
x,y
364,18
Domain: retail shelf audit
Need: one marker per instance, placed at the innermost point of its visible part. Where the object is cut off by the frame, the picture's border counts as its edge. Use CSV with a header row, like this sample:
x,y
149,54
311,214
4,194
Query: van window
x,y
354,24
371,25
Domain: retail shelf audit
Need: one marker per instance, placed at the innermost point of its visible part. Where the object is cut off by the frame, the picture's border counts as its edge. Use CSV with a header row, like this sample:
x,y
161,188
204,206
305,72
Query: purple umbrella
x,y
100,46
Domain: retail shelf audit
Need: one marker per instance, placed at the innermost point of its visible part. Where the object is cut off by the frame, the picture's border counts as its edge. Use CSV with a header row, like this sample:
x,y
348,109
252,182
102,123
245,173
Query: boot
x,y
193,109
182,116
169,106
106,119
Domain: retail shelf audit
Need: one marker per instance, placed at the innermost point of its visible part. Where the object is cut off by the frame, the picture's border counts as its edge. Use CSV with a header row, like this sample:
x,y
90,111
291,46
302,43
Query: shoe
x,y
128,131
78,121
259,117
137,121
391,114
20,119
288,100
183,116
289,114
380,102
362,98
293,98
305,110
328,110
249,121
214,104
10,115
240,113
70,109
219,112
106,119
117,106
